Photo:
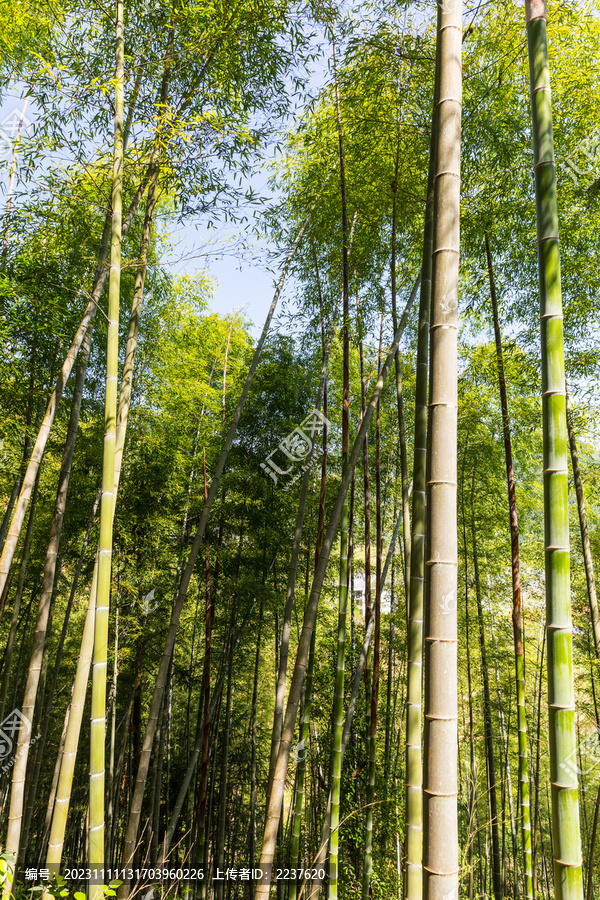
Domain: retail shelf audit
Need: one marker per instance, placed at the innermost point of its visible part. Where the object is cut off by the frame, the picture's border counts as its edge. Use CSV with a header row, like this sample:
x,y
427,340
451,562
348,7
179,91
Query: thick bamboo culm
x,y
440,811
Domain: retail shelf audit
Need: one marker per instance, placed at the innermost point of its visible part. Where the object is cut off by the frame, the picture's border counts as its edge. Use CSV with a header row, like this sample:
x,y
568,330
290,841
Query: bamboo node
x,y
441,640
441,562
446,249
568,865
442,480
435,871
442,719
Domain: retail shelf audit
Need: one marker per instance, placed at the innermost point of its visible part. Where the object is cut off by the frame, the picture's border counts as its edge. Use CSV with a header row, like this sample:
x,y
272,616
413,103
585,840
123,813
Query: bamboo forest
x,y
299,450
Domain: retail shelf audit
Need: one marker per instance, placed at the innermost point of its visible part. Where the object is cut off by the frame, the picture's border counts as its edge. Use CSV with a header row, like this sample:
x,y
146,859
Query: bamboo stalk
x,y
63,796
583,526
413,844
371,764
340,672
566,843
440,815
308,689
107,501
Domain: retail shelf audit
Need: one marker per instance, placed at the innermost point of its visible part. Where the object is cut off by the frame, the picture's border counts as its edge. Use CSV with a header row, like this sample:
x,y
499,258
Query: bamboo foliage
x,y
135,812
566,839
9,545
440,838
198,751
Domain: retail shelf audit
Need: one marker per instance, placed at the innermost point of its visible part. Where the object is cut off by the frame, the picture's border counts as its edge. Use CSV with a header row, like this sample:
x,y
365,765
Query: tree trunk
x,y
187,780
590,879
292,574
472,779
319,860
18,788
538,696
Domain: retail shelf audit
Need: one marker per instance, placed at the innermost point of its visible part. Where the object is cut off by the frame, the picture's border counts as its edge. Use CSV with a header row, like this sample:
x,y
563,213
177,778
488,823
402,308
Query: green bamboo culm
x,y
338,703
566,842
413,868
372,721
340,670
301,770
98,722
